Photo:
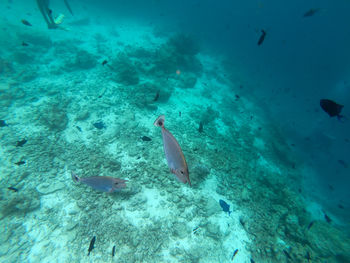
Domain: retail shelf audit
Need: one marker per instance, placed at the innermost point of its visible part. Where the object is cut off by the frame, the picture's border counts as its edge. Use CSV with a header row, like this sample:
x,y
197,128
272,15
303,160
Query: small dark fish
x,y
311,12
310,225
146,139
262,37
234,254
237,97
332,108
104,62
200,128
195,230
331,187
20,163
21,143
25,44
287,254
78,128
113,251
179,113
241,221
225,207
340,206
157,96
343,163
252,260
308,257
328,219
3,123
12,189
91,247
99,125
25,22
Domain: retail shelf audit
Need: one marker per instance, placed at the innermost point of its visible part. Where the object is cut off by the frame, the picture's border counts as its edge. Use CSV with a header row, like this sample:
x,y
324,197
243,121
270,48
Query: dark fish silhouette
x,y
308,257
241,221
225,207
252,260
340,206
287,254
104,62
310,225
25,44
25,22
234,254
21,143
343,163
311,12
200,128
78,128
328,219
20,163
3,123
113,251
332,108
195,230
99,125
12,189
157,96
146,139
91,247
262,37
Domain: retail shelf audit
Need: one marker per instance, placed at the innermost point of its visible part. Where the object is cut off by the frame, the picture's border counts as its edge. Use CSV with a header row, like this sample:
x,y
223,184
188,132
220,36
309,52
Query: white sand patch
x,y
268,165
259,143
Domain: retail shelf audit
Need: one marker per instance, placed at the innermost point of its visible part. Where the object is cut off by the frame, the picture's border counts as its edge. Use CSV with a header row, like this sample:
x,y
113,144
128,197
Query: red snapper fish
x,y
173,153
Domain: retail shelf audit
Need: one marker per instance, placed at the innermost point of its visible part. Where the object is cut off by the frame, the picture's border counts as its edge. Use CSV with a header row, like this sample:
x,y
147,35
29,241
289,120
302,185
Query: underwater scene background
x,y
239,84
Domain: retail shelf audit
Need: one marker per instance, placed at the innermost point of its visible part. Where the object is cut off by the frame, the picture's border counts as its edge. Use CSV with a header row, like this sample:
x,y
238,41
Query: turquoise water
x,y
83,98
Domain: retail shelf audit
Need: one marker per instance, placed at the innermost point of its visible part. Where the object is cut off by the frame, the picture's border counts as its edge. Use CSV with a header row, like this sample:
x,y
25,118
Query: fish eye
x,y
182,172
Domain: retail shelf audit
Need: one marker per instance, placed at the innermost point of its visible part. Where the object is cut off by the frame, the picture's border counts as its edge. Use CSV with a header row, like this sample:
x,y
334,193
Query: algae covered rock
x,y
54,116
149,94
80,60
124,70
22,202
175,55
184,44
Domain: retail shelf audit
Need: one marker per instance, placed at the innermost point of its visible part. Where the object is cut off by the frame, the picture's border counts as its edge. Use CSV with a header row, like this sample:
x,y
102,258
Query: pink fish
x,y
173,153
101,183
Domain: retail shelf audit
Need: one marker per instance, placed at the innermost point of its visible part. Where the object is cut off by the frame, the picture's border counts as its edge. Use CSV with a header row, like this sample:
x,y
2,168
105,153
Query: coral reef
x,y
53,115
124,71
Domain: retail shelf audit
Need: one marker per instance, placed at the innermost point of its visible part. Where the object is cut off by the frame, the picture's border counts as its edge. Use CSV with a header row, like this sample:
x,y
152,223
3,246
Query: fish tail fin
x,y
159,122
75,178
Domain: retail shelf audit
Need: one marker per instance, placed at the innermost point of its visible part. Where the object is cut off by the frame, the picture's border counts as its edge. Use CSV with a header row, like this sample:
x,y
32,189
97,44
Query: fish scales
x,y
173,153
